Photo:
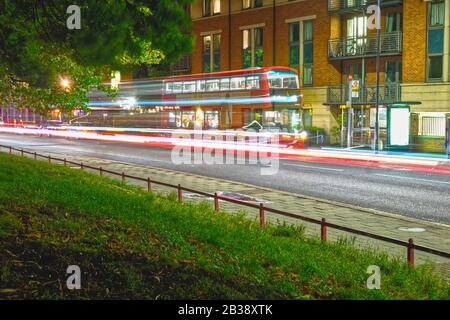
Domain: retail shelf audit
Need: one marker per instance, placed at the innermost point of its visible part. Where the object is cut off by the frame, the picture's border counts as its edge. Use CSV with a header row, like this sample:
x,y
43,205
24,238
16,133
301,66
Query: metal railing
x,y
324,225
364,46
389,93
343,6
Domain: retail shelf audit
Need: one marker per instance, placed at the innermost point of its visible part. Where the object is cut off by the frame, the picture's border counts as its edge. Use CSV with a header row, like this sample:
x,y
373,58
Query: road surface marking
x,y
409,178
313,167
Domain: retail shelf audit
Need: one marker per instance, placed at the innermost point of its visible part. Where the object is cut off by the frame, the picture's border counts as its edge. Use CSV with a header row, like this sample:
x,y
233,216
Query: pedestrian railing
x,y
324,225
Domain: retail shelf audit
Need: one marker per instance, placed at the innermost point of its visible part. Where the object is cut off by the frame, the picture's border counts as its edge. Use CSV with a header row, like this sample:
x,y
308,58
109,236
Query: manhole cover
x,y
412,229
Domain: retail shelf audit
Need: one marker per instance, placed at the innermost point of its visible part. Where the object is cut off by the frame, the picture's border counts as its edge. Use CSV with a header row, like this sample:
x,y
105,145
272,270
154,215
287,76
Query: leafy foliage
x,y
37,48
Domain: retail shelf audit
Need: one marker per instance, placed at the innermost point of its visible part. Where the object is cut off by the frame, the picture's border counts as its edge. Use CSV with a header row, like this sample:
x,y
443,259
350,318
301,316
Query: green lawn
x,y
132,244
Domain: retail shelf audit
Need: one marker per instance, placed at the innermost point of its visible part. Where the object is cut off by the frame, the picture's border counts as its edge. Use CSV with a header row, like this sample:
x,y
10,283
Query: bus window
x,y
290,82
252,83
177,87
169,87
188,86
237,83
201,85
212,85
283,80
225,84
275,83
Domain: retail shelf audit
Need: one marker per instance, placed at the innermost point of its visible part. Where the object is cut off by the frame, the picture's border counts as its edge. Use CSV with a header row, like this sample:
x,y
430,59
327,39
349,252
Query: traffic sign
x,y
355,88
355,84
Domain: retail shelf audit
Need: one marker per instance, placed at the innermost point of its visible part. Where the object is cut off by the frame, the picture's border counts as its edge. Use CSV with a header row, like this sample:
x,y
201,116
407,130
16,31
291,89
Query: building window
x,y
394,22
355,70
435,45
252,47
430,124
211,7
393,72
433,126
356,35
307,52
436,13
247,4
294,45
183,65
211,52
301,49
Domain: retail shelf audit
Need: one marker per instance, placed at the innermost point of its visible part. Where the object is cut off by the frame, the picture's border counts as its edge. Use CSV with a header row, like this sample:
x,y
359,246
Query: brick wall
x,y
323,73
414,40
247,18
207,25
325,27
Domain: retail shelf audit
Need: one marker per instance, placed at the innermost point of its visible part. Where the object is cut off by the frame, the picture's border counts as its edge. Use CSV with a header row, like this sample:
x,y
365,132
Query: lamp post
x,y
377,99
350,112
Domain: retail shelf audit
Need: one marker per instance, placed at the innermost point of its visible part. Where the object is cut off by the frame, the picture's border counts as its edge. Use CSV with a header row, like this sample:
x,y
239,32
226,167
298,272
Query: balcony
x,y
336,7
389,93
366,46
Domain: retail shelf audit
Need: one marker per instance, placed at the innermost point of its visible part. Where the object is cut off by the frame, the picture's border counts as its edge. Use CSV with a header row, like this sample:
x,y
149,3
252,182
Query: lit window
x,y
301,49
212,85
177,87
237,83
189,86
225,84
216,6
283,81
211,53
201,85
247,4
211,7
207,54
252,48
252,83
169,87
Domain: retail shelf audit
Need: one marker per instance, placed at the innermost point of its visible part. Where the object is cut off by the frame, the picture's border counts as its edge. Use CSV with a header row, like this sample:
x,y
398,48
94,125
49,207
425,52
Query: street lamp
x,y
64,82
377,101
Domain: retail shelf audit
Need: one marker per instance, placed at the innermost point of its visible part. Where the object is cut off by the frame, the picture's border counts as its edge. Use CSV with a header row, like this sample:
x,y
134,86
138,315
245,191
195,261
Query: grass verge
x,y
132,244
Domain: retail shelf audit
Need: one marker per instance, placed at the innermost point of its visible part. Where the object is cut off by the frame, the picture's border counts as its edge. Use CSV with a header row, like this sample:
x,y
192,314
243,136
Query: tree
x,y
38,50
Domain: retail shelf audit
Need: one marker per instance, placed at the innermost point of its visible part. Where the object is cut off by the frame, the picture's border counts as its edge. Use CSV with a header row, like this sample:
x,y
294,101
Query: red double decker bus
x,y
259,97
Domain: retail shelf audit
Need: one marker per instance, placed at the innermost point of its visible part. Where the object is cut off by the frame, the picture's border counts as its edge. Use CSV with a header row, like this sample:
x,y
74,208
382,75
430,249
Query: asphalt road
x,y
413,194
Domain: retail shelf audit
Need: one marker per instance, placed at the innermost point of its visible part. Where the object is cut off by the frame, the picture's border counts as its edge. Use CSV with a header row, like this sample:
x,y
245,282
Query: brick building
x,y
328,40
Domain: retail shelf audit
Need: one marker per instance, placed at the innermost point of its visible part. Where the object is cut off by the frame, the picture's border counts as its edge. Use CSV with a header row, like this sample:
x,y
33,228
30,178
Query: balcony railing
x,y
344,6
366,46
389,93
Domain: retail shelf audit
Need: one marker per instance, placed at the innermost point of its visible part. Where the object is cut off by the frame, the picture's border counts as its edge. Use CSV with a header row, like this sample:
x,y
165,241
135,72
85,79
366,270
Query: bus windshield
x,y
283,80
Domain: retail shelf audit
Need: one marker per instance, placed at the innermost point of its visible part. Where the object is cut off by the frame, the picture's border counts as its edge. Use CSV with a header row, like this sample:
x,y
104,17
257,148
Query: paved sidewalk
x,y
429,234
